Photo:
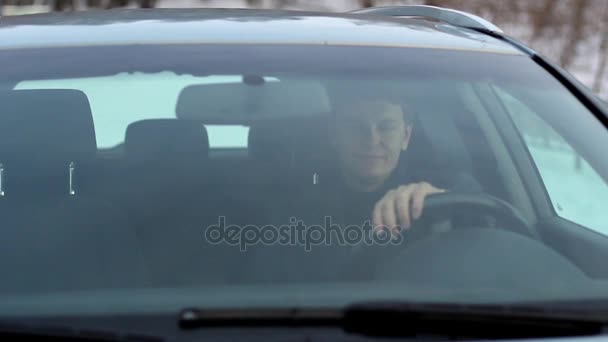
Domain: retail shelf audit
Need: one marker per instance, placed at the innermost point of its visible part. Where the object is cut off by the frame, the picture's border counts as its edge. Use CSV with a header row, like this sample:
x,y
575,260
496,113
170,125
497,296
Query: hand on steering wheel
x,y
400,207
441,206
470,207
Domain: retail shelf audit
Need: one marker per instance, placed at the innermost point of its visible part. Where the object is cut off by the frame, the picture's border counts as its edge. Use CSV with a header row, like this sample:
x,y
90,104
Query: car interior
x,y
150,199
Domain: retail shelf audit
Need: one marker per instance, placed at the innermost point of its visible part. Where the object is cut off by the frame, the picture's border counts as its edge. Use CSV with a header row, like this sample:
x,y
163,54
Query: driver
x,y
369,136
371,180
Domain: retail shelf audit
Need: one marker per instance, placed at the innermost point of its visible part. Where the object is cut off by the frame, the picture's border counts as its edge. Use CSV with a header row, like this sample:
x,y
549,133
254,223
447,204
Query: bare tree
x,y
253,3
94,3
147,3
366,3
540,18
63,5
603,55
116,3
577,26
284,3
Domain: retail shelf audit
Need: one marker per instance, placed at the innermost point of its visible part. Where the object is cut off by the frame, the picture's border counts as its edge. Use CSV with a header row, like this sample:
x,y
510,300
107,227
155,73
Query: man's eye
x,y
387,126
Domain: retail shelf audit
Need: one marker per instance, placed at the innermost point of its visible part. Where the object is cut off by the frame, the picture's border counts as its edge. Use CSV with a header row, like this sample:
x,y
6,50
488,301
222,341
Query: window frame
x,y
551,211
546,220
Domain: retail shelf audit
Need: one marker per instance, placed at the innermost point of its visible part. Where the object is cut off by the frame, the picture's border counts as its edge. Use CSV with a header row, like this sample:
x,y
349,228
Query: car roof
x,y
237,26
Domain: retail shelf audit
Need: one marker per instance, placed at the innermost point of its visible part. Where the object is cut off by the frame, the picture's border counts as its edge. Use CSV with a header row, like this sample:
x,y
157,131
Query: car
x,y
393,172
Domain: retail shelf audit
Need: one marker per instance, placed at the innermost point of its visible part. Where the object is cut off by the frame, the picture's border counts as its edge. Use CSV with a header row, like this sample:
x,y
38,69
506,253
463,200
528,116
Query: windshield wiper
x,y
404,319
199,318
468,321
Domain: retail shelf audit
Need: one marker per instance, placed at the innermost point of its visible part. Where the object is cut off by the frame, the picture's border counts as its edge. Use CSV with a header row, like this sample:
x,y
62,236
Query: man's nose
x,y
371,135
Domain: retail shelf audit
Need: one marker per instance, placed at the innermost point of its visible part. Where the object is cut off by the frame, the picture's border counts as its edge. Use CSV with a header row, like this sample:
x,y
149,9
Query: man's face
x,y
369,136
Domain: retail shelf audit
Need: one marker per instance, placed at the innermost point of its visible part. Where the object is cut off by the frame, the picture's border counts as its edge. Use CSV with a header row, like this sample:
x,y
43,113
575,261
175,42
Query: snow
x,y
579,195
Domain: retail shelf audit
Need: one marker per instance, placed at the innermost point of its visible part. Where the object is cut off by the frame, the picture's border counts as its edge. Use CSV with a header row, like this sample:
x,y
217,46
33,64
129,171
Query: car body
x,y
129,137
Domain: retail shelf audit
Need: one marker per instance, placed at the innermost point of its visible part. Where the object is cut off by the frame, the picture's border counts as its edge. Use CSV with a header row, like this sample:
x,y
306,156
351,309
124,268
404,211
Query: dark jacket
x,y
314,203
333,198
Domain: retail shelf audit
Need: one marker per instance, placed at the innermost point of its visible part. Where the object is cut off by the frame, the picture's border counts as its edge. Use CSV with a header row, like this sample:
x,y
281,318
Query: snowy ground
x,y
579,195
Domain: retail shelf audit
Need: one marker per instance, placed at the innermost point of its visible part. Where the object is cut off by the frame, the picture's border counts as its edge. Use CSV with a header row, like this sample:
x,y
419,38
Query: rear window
x,y
138,96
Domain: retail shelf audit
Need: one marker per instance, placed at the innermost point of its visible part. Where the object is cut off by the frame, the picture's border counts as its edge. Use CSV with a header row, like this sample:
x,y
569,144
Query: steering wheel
x,y
486,210
476,210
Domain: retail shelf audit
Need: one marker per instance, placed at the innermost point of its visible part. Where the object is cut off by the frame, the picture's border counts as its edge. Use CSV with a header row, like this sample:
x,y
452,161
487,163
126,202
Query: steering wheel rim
x,y
451,205
448,205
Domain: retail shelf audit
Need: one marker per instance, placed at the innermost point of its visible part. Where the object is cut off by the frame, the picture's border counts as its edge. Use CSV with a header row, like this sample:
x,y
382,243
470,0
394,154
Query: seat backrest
x,y
54,237
289,156
162,149
437,138
172,199
167,141
45,137
166,161
268,141
295,147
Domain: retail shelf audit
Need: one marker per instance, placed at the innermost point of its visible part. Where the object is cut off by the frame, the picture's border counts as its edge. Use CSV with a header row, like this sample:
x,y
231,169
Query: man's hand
x,y
400,206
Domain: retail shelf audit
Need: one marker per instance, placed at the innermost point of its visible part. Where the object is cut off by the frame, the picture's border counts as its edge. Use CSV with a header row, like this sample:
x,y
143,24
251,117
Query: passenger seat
x,y
173,199
56,236
165,164
290,156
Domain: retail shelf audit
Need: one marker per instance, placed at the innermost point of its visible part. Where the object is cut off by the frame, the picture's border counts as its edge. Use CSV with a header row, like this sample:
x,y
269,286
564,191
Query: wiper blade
x,y
396,319
468,321
198,318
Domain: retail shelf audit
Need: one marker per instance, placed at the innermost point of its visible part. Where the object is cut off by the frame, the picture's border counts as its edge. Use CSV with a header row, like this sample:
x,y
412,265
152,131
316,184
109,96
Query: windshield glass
x,y
294,175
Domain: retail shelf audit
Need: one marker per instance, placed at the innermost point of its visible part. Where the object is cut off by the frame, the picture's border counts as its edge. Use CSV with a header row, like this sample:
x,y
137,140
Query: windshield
x,y
294,175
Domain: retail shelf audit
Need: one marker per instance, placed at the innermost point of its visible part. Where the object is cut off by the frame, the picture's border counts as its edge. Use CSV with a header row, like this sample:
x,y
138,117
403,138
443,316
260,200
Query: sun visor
x,y
253,98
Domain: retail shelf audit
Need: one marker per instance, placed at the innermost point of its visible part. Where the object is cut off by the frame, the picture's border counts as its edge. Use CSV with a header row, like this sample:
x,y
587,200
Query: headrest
x,y
438,137
269,140
296,149
289,139
167,140
46,126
